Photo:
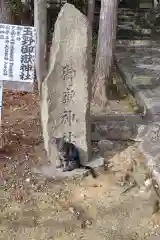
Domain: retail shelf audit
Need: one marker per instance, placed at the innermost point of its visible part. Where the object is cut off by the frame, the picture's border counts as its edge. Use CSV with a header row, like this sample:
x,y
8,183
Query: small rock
x,y
104,146
71,209
27,180
97,185
86,223
148,182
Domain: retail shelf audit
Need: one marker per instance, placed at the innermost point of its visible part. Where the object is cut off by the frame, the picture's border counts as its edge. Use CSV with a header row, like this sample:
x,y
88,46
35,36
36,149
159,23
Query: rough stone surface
x,y
132,24
104,146
140,67
120,130
151,145
151,161
65,91
50,171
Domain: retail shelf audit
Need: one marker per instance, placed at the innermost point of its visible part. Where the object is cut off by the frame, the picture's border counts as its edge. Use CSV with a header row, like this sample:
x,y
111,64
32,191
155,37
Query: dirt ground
x,y
35,208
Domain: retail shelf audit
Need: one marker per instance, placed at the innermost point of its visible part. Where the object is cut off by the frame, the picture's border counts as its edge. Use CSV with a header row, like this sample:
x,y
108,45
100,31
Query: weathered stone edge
x,y
118,131
129,84
151,165
117,127
150,160
148,107
75,174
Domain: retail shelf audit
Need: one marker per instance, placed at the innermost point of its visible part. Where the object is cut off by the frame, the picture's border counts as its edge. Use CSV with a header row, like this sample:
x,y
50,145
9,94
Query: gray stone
x,y
65,92
49,172
119,130
150,148
105,148
139,64
140,68
134,43
151,163
105,145
151,142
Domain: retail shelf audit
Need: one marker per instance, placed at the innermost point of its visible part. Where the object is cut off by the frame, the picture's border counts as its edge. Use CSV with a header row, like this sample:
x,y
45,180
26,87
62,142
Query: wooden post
x,y
40,23
5,17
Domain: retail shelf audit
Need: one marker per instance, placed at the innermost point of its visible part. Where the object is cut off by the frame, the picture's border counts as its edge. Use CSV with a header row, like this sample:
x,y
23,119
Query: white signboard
x,y
17,56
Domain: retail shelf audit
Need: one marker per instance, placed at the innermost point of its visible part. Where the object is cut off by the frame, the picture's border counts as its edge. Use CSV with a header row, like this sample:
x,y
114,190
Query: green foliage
x,y
94,42
79,4
16,6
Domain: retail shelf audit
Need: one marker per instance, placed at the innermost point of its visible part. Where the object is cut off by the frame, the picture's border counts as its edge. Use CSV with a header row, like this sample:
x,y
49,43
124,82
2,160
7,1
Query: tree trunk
x,y
5,16
155,2
104,54
91,7
90,14
40,23
27,12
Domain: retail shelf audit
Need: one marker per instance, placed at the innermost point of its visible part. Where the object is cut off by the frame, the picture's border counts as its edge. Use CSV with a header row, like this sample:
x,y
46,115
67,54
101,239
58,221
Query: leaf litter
x,y
36,208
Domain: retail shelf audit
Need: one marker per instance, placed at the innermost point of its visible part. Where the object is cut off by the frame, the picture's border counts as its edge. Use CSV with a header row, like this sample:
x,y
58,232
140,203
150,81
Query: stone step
x,y
132,24
139,65
136,43
126,127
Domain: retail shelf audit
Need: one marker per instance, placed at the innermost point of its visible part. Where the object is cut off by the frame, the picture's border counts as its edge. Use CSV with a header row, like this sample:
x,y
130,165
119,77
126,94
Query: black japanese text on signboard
x,y
11,35
27,54
12,47
7,33
4,34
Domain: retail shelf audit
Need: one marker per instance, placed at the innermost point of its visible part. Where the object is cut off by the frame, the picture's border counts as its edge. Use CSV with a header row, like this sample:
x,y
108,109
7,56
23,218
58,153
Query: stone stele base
x,y
50,172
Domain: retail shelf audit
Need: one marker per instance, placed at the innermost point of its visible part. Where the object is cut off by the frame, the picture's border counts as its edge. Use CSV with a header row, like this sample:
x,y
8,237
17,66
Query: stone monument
x,y
65,92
